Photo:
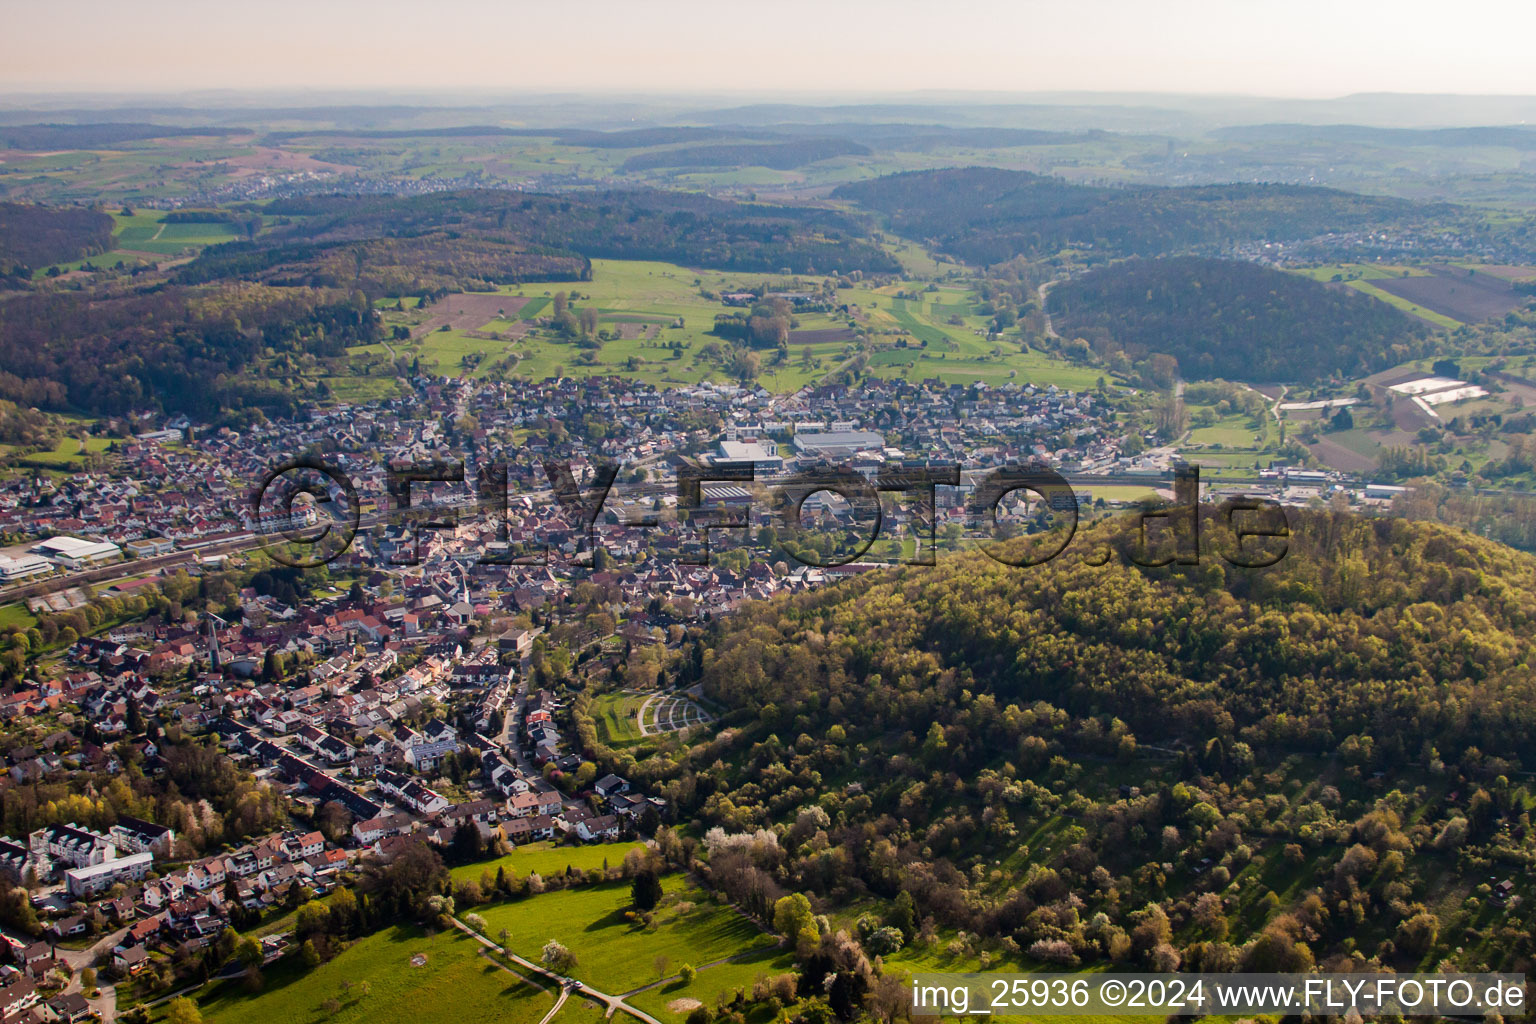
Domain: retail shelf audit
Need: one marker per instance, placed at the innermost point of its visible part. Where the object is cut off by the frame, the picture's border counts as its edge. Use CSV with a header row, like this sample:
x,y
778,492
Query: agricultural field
x,y
1502,270
1124,493
1446,296
659,324
143,238
1229,444
1371,279
615,954
1377,427
1231,432
410,976
1465,296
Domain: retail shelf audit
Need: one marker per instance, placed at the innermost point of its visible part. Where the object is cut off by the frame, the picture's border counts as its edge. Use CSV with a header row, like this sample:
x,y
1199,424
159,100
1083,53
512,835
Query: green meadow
x,y
659,322
615,954
454,975
549,859
615,717
710,982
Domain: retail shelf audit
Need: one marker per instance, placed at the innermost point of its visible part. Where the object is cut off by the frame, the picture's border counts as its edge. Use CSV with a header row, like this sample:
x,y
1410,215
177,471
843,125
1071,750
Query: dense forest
x,y
1240,321
431,263
1377,629
36,236
985,215
1200,766
168,347
690,229
91,136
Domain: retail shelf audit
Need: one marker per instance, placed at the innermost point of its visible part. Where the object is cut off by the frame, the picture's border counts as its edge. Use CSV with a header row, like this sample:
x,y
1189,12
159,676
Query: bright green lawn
x,y
66,452
16,615
1229,432
455,978
615,717
711,981
614,954
549,859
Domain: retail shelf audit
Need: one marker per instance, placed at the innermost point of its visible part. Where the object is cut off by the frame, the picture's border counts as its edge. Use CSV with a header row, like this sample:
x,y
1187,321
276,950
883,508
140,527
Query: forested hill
x,y
35,236
1240,321
170,347
693,230
1388,631
986,215
1208,767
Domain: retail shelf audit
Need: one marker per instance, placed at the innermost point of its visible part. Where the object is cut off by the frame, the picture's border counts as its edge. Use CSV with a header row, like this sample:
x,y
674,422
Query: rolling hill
x,y
1239,321
985,215
1316,763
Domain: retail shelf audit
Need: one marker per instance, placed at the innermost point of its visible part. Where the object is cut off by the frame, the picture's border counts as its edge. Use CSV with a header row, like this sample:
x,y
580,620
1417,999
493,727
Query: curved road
x,y
104,1005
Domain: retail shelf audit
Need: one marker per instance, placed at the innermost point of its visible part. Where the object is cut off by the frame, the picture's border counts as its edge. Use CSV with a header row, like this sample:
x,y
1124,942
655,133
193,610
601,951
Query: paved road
x,y
104,1005
1044,293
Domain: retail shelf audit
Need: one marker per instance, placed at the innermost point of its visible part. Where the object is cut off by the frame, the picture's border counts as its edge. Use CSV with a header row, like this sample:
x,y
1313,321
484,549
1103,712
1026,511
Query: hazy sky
x,y
1311,48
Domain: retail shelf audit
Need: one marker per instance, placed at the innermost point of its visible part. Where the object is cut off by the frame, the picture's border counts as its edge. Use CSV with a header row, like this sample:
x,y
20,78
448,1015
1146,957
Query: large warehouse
x,y
74,553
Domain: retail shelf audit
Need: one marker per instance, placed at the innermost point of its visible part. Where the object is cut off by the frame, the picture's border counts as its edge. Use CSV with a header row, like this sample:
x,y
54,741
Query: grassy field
x,y
454,975
615,716
1231,432
1121,492
16,615
711,981
66,454
615,954
146,231
549,859
363,389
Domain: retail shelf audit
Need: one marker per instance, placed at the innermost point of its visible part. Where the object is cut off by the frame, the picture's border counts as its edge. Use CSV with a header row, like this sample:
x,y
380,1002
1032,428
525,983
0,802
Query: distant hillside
x,y
984,215
170,347
434,263
781,156
1241,321
1522,137
690,229
36,236
87,136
